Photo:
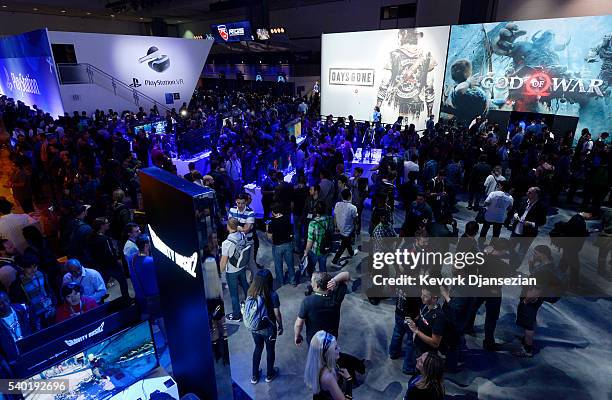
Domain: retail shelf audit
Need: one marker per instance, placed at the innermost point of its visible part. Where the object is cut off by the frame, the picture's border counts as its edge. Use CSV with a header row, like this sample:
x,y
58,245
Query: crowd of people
x,y
75,181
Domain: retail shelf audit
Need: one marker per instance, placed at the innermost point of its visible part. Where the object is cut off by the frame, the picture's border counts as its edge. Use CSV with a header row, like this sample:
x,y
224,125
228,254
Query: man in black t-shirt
x,y
429,325
321,310
280,231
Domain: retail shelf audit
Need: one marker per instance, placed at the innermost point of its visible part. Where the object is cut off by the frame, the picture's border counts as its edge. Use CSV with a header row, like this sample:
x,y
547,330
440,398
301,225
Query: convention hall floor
x,y
573,338
573,341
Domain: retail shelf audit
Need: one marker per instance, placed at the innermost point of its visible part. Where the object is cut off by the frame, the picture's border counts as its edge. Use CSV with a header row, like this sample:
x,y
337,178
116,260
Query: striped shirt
x,y
247,216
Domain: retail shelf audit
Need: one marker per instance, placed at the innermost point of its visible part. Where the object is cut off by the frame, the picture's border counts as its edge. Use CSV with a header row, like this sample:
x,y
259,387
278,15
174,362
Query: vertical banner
x,y
399,70
27,71
178,216
552,66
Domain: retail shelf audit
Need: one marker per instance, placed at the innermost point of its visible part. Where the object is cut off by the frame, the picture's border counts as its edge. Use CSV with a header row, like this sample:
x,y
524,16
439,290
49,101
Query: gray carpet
x,y
573,340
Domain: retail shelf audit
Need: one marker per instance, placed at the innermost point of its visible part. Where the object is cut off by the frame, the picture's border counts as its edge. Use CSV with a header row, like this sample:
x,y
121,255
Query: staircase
x,y
84,73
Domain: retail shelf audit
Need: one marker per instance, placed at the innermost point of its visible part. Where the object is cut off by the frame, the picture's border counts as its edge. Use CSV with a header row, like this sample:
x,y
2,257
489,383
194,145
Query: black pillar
x,y
178,215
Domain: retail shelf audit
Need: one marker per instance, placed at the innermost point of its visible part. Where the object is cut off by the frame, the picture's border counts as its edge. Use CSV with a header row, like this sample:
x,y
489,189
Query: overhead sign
x,y
154,66
232,32
27,71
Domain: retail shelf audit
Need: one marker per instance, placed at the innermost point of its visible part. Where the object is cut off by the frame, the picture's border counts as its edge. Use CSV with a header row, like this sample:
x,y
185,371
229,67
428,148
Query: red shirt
x,y
66,311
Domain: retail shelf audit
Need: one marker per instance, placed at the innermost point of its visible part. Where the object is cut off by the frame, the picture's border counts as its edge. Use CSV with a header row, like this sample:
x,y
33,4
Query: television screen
x,y
232,32
263,34
160,127
104,369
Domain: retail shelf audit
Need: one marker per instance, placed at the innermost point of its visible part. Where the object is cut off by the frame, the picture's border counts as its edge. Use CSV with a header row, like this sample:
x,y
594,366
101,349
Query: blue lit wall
x,y
27,71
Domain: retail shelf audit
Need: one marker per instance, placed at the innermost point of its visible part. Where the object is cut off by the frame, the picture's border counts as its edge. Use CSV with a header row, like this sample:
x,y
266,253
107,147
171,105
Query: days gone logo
x,y
351,76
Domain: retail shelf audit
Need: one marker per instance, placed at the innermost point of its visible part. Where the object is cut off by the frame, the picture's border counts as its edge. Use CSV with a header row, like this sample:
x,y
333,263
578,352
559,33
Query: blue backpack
x,y
255,314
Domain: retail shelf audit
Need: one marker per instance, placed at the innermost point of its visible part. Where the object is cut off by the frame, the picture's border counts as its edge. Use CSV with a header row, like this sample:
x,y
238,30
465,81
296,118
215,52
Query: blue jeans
x,y
313,259
283,252
265,337
395,347
297,234
235,279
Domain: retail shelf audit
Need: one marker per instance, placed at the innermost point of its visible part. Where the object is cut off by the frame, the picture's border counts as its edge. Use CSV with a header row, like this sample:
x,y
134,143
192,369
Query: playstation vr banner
x,y
552,66
163,68
399,70
27,71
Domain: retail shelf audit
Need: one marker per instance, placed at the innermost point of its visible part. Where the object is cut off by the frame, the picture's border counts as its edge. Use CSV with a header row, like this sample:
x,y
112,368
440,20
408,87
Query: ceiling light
x,y
141,18
4,6
35,9
63,11
88,13
112,15
180,21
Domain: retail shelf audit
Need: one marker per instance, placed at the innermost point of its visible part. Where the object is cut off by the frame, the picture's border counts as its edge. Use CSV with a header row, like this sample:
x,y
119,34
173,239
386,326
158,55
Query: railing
x,y
84,73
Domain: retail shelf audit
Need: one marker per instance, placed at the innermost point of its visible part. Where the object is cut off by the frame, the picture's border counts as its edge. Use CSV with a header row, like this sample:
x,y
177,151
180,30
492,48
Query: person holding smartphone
x,y
428,328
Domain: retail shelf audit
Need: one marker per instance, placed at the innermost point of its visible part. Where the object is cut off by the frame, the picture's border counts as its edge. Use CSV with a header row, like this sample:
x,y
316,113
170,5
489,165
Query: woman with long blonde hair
x,y
321,373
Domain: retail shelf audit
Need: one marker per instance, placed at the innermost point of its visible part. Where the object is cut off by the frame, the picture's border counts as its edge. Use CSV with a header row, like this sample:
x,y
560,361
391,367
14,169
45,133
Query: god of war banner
x,y
553,66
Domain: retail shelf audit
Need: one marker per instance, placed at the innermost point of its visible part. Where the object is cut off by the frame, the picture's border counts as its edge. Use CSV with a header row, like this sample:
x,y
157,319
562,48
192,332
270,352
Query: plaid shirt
x,y
316,232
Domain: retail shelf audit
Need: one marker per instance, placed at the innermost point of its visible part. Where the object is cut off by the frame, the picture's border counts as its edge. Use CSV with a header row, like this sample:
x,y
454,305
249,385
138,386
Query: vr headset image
x,y
157,62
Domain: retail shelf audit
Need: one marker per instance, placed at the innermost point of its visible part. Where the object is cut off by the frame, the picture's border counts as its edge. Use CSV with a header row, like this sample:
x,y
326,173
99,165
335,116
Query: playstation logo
x,y
135,83
157,62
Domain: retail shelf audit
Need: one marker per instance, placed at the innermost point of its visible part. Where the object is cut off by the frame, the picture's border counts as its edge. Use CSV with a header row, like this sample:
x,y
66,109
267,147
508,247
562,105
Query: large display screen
x,y
232,32
27,71
552,66
399,70
104,369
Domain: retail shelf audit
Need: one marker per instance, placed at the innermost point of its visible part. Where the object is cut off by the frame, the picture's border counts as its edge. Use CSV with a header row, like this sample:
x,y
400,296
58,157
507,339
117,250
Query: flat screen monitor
x,y
160,127
104,369
295,127
263,34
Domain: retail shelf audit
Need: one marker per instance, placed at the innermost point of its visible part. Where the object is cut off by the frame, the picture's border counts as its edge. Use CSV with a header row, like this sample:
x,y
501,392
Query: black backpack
x,y
326,242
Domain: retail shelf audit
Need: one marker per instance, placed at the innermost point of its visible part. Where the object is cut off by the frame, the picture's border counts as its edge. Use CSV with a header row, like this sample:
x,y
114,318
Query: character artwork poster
x,y
554,66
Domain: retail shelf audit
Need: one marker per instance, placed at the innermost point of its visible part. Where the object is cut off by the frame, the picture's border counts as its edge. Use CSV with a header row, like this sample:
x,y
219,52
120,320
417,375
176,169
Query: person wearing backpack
x,y
235,256
262,316
318,246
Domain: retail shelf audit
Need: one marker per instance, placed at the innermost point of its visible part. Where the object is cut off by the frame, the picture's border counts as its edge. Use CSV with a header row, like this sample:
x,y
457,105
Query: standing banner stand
x,y
180,220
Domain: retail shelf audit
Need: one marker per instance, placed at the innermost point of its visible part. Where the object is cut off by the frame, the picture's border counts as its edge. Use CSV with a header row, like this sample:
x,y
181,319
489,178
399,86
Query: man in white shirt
x,y
234,271
493,180
345,215
90,279
411,165
130,249
303,107
497,204
11,225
